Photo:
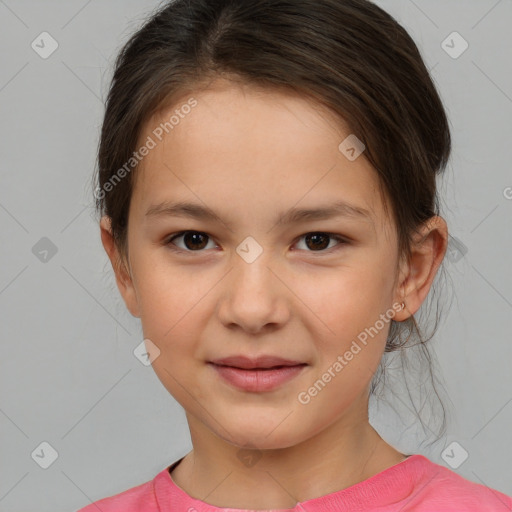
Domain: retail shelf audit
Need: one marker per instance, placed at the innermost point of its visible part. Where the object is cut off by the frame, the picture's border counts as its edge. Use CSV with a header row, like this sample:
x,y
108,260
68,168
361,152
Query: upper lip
x,y
249,363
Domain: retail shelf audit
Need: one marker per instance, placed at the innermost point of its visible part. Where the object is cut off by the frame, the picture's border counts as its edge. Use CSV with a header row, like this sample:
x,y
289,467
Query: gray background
x,y
69,376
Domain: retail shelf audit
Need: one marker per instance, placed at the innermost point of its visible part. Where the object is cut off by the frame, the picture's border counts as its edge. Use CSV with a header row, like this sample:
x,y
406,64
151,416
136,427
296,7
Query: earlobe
x,y
123,278
427,253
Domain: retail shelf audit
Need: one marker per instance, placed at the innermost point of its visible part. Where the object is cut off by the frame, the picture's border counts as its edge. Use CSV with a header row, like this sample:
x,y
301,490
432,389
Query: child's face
x,y
250,156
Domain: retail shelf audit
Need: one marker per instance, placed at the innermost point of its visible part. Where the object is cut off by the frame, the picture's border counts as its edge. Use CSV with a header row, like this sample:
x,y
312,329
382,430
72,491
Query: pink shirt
x,y
414,485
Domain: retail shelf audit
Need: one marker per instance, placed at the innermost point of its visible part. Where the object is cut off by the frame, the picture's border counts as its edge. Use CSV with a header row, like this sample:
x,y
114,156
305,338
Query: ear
x,y
123,277
416,276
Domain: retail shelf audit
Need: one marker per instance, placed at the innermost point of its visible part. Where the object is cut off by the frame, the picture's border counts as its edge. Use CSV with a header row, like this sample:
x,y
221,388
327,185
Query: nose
x,y
254,297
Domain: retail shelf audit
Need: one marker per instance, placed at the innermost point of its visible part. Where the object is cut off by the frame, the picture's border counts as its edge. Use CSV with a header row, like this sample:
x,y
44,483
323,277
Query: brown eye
x,y
318,241
193,240
196,241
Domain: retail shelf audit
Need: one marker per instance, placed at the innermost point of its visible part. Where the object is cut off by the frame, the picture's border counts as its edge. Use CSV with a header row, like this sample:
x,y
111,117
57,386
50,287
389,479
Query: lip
x,y
260,374
260,362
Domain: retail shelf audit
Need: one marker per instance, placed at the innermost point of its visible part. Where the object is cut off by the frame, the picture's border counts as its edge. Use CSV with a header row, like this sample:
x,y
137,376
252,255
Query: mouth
x,y
263,362
258,379
259,369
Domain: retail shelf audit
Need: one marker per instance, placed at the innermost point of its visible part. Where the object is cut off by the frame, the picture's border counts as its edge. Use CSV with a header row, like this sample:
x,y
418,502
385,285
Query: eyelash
x,y
168,242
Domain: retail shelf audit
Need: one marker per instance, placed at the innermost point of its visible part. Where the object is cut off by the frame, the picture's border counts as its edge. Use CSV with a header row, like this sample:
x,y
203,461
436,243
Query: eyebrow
x,y
290,216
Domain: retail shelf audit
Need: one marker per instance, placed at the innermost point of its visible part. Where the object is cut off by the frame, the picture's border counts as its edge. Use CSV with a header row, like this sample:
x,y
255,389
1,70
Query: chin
x,y
268,435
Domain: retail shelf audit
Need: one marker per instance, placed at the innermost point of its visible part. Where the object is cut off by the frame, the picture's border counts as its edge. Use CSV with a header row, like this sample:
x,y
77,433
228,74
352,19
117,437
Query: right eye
x,y
193,241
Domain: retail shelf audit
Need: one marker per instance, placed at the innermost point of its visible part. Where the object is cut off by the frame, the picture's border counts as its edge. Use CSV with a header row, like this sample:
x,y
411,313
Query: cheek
x,y
171,316
346,299
347,303
166,292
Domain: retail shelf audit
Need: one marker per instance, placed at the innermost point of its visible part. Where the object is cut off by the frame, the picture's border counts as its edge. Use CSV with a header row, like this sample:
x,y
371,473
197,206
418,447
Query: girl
x,y
267,186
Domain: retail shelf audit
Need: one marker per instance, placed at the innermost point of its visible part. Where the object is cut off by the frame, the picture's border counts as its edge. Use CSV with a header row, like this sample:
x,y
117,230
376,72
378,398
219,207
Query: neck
x,y
223,475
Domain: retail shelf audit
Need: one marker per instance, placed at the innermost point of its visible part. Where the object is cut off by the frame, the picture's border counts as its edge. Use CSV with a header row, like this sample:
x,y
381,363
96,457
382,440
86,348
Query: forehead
x,y
273,145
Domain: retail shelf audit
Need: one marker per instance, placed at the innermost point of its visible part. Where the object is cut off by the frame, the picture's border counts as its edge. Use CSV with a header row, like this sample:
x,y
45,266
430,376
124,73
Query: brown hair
x,y
348,55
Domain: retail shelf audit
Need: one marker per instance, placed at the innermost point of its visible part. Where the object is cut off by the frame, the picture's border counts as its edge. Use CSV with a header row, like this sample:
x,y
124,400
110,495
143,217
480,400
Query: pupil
x,y
315,238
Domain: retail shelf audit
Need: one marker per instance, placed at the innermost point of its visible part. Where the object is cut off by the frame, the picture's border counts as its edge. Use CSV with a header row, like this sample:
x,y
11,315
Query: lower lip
x,y
257,380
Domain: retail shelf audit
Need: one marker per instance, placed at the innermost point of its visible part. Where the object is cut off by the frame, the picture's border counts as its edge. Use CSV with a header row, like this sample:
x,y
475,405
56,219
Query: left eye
x,y
195,241
320,240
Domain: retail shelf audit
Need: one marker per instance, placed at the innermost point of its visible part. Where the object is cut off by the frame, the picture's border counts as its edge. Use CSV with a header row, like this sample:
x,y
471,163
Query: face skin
x,y
248,155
